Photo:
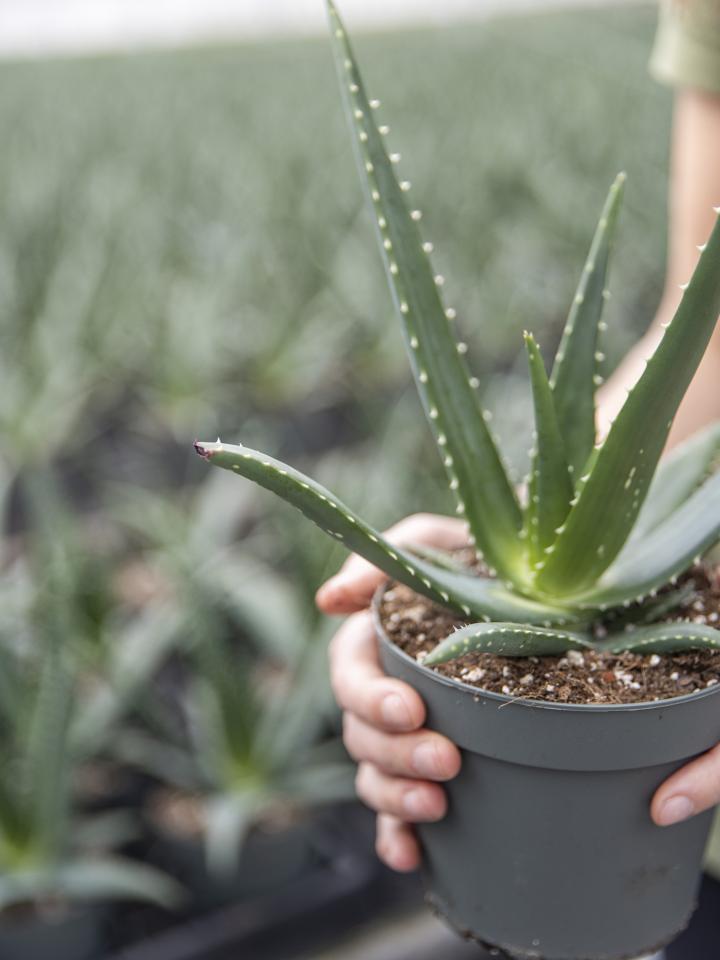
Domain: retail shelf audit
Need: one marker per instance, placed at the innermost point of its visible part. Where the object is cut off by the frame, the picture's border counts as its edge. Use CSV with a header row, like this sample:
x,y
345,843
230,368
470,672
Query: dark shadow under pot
x,y
548,850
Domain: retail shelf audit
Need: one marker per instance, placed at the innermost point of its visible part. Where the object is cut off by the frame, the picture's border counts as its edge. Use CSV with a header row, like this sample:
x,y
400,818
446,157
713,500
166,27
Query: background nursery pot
x,y
78,934
548,849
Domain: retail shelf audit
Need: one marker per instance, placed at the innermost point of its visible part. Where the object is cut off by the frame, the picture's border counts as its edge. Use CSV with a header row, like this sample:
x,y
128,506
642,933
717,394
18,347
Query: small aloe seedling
x,y
604,527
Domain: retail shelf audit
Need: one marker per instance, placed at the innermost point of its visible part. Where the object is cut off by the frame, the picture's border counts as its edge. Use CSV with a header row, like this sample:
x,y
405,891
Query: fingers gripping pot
x,y
548,850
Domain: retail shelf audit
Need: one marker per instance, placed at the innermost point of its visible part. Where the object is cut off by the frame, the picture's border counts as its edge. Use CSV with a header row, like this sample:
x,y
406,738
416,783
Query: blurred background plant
x,y
184,249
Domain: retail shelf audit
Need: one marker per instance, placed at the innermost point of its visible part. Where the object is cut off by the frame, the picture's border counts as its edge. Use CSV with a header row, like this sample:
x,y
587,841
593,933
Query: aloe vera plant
x,y
50,849
605,524
243,751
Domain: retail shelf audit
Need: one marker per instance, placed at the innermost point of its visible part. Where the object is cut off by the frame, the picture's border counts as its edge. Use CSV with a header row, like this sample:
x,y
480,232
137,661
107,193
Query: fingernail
x,y
415,805
675,810
426,761
395,712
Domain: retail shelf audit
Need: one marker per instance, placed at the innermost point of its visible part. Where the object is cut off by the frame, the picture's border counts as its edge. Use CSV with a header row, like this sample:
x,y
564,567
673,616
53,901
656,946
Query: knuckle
x,y
383,846
360,784
363,779
333,648
422,518
374,695
408,525
338,673
348,734
713,769
337,687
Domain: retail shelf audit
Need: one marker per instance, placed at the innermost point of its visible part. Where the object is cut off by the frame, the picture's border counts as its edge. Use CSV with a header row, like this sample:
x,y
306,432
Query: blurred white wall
x,y
29,27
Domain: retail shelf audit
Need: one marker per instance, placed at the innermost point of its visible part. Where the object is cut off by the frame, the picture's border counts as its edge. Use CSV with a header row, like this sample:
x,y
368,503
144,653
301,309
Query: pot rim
x,y
503,699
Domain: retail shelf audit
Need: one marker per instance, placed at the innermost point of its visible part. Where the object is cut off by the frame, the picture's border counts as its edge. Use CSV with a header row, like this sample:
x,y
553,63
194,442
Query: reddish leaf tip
x,y
201,450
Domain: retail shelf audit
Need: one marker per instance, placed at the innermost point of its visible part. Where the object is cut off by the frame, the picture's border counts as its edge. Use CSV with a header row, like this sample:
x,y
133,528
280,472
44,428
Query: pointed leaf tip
x,y
207,450
506,639
465,593
574,375
622,472
551,489
675,637
485,492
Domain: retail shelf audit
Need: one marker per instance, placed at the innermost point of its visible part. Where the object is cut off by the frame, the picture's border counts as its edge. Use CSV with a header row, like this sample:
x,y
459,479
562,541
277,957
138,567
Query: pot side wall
x,y
547,851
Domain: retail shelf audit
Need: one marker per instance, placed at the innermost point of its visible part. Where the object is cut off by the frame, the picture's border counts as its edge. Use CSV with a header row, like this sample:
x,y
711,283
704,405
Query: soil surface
x,y
417,625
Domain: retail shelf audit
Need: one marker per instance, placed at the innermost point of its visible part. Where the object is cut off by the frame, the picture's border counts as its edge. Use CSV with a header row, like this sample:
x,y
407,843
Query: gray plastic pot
x,y
548,850
77,935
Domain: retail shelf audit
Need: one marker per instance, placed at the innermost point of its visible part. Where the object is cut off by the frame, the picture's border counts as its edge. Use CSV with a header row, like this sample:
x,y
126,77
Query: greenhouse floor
x,y
418,936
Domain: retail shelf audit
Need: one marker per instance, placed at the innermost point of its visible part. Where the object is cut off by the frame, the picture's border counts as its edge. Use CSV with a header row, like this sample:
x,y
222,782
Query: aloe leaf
x,y
118,879
506,640
229,818
610,498
91,879
666,638
14,826
47,753
575,372
657,607
438,558
476,472
135,656
551,488
680,473
321,783
668,550
157,757
469,595
106,831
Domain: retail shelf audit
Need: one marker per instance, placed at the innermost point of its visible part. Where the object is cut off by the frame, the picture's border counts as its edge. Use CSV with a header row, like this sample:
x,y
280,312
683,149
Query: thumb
x,y
693,789
353,587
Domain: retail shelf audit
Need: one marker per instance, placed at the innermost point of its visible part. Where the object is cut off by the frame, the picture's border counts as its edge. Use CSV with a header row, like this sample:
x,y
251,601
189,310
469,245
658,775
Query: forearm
x,y
694,191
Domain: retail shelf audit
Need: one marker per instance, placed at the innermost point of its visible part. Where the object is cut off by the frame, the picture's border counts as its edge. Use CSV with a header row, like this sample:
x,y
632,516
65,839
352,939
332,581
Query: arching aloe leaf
x,y
469,595
611,498
229,817
485,494
117,878
438,558
15,824
666,638
506,640
680,473
551,488
667,551
576,363
47,750
655,608
101,878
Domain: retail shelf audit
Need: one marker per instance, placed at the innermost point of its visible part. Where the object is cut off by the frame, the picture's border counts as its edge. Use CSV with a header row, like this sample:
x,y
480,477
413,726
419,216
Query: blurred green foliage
x,y
185,250
185,247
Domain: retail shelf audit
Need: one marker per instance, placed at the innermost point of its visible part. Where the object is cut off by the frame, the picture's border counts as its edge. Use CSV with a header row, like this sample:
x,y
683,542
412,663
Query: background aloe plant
x,y
50,848
563,559
250,745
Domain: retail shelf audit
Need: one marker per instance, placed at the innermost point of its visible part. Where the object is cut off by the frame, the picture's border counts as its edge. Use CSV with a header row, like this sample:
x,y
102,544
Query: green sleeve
x,y
687,54
712,853
687,45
